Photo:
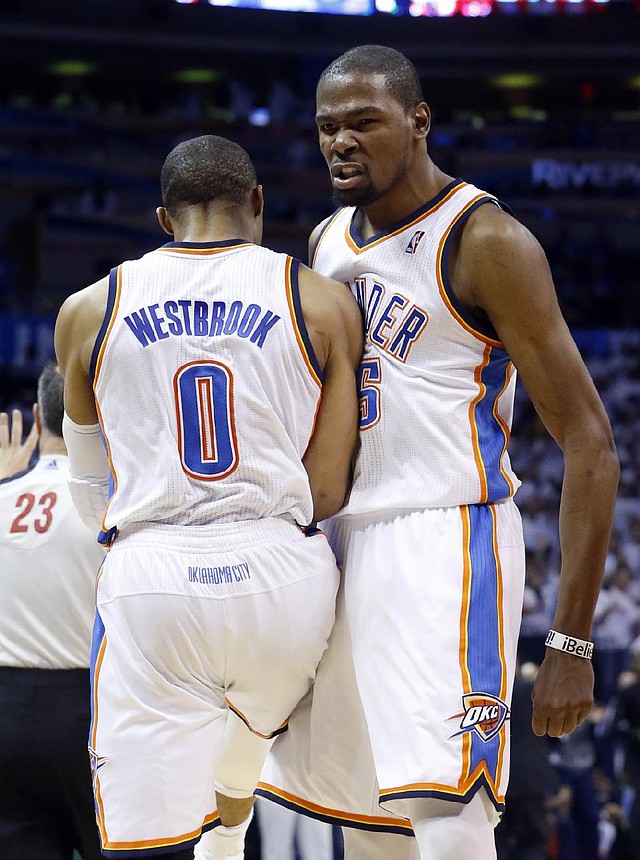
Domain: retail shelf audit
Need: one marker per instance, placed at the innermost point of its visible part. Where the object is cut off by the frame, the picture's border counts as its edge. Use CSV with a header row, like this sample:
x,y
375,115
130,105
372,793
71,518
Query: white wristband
x,y
569,644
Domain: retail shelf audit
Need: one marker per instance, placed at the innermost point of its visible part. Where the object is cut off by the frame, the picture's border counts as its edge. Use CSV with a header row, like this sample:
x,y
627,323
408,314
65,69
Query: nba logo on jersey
x,y
412,247
483,714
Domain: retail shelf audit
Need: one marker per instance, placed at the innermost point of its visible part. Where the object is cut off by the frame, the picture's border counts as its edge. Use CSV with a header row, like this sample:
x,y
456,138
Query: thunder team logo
x,y
96,761
483,714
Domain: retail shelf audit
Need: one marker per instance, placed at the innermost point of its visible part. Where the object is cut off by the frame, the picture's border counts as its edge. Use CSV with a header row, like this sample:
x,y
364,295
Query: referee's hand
x,y
562,694
14,454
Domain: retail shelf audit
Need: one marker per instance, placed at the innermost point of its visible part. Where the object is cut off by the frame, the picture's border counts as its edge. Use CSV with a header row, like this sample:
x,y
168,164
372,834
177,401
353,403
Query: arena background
x,y
537,101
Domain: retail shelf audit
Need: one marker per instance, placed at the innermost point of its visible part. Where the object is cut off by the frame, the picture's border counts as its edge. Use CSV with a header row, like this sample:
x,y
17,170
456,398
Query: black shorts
x,y
46,800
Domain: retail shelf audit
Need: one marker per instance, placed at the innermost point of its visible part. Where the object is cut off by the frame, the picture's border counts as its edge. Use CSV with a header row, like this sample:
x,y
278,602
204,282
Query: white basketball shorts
x,y
191,622
412,696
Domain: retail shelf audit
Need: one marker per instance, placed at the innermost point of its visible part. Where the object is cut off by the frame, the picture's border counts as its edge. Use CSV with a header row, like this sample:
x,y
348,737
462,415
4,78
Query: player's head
x,y
205,175
50,400
372,121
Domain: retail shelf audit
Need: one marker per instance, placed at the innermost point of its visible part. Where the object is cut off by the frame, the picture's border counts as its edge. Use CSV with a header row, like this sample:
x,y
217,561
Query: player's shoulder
x,y
327,289
319,231
329,300
493,231
86,301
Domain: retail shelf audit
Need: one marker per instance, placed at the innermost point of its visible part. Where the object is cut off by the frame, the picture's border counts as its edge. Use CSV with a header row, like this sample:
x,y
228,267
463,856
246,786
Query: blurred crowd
x,y
578,798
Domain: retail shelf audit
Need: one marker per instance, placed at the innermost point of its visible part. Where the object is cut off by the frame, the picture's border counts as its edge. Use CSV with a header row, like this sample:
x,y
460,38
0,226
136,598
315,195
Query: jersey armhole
x,y
297,318
115,277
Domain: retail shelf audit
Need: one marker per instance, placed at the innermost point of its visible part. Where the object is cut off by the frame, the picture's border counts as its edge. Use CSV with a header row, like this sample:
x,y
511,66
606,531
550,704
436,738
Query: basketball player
x,y
222,378
48,565
456,295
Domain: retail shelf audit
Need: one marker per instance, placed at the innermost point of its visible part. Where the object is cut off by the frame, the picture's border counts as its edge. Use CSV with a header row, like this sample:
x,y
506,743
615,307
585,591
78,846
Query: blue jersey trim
x,y
111,299
491,436
483,649
441,794
17,475
399,225
327,224
205,246
334,817
302,326
485,329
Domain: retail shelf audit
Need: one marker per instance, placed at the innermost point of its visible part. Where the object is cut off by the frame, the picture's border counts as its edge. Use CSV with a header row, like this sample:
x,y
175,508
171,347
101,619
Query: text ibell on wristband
x,y
569,644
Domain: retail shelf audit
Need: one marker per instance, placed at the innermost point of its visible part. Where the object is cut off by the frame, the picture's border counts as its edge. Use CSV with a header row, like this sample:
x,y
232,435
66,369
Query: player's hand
x,y
562,695
14,455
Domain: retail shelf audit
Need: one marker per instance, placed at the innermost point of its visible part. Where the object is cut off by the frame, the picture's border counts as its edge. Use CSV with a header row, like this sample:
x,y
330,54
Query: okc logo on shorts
x,y
97,761
483,714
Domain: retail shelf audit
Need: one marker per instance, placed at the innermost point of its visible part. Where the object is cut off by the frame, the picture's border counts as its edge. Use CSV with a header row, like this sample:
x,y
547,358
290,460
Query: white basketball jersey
x,y
48,565
436,385
206,386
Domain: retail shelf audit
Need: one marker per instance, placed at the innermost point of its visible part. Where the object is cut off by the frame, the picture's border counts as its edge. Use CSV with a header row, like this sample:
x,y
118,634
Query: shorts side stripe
x,y
485,652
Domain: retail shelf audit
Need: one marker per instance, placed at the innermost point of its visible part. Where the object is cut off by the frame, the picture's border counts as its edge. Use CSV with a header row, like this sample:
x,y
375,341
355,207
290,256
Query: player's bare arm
x,y
76,331
501,268
335,327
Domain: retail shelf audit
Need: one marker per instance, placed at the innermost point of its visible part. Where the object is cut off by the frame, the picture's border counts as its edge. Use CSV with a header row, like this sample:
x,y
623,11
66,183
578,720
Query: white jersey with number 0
x,y
207,387
436,385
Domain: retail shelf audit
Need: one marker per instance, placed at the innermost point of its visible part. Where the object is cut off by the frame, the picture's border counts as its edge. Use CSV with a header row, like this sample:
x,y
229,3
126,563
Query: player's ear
x,y
257,201
36,418
164,219
422,119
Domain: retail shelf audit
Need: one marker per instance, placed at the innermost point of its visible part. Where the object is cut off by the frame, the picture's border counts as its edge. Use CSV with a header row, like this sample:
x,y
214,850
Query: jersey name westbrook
x,y
201,319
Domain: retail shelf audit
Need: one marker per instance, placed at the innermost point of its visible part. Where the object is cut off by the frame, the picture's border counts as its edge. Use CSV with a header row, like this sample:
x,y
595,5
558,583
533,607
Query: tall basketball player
x,y
456,295
221,376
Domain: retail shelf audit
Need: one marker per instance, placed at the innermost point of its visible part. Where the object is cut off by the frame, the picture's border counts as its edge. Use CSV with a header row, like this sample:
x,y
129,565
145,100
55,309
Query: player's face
x,y
365,137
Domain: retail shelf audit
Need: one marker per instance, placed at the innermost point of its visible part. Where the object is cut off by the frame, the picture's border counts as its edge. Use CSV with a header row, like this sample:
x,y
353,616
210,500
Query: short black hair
x,y
51,398
400,75
203,169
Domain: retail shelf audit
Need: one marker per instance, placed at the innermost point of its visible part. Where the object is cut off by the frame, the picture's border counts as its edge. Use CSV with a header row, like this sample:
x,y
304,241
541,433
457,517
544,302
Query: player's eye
x,y
327,128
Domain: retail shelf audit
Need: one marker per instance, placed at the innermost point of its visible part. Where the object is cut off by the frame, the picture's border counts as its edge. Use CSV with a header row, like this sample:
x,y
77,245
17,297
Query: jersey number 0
x,y
206,424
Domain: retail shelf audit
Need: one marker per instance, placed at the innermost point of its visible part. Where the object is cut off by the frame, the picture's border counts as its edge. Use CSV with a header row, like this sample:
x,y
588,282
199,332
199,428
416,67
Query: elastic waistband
x,y
234,535
43,677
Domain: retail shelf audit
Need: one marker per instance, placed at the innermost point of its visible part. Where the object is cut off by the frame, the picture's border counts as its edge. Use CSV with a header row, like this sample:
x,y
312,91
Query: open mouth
x,y
346,174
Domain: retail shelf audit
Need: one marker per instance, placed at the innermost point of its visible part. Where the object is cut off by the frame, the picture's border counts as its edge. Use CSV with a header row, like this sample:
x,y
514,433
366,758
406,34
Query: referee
x,y
48,563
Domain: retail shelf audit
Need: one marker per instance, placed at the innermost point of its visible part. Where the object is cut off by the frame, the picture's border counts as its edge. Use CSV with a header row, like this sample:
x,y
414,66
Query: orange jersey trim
x,y
203,252
439,275
475,441
501,648
464,632
359,250
379,820
294,320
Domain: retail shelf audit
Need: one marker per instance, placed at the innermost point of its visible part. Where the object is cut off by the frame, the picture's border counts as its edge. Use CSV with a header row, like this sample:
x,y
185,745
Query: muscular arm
x,y
335,327
76,330
501,268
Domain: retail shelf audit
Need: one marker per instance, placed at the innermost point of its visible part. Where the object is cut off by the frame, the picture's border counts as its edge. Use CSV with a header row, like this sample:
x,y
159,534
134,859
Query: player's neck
x,y
50,445
219,226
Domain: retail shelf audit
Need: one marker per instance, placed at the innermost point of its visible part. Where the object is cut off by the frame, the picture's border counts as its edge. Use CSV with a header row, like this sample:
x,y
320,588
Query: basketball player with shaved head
x,y
408,727
222,378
